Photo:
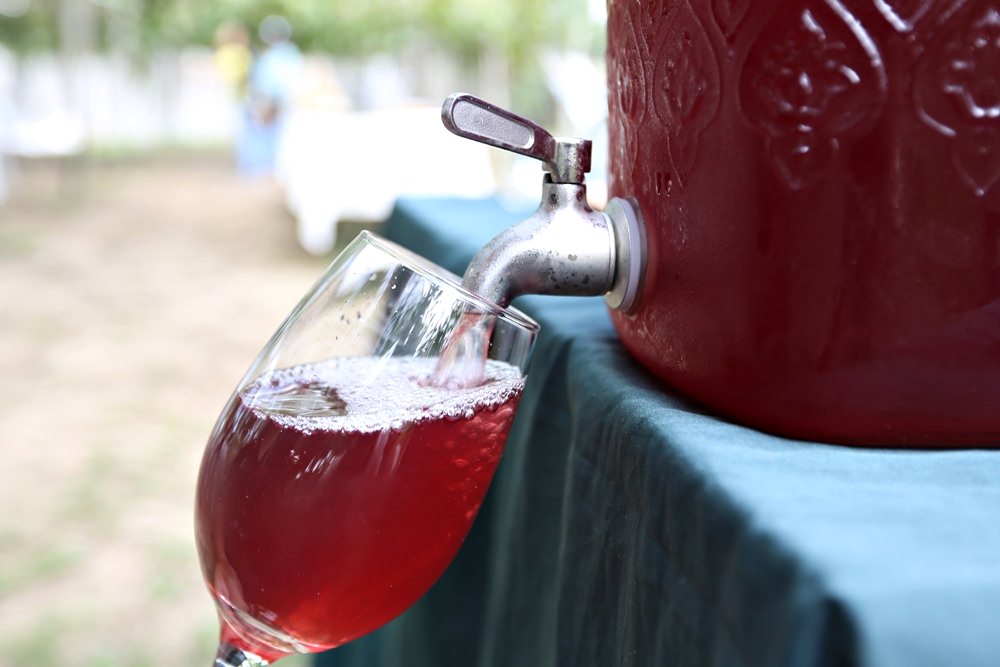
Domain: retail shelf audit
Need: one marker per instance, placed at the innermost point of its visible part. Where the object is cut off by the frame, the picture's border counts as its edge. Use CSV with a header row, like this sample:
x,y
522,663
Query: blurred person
x,y
233,56
271,84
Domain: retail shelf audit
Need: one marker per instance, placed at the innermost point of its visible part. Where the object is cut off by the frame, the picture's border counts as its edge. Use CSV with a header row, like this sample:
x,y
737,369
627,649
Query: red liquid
x,y
323,528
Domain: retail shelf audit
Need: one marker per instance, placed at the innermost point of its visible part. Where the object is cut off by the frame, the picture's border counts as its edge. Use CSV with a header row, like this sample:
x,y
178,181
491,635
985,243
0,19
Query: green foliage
x,y
340,27
35,31
515,29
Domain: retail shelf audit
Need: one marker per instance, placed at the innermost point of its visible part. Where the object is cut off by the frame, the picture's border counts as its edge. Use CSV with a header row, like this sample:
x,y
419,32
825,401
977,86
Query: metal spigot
x,y
565,247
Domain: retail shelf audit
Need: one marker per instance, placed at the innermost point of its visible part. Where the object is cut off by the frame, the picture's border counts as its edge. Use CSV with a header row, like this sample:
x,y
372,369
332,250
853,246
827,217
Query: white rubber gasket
x,y
630,253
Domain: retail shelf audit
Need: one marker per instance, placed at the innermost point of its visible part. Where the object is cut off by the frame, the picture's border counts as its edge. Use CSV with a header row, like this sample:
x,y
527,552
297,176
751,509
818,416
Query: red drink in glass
x,y
327,503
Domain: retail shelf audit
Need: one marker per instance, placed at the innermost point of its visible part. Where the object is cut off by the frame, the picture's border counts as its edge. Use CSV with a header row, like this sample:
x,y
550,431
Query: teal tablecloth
x,y
627,527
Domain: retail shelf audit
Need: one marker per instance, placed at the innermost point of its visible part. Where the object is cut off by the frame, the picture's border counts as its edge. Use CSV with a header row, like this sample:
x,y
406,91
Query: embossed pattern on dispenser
x,y
958,92
686,92
810,78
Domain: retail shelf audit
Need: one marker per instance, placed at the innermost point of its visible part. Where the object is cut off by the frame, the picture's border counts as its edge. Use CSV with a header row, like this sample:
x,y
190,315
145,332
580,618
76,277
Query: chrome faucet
x,y
565,247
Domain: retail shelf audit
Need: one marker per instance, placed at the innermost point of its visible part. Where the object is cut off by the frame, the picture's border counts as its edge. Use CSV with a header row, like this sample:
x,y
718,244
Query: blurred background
x,y
174,174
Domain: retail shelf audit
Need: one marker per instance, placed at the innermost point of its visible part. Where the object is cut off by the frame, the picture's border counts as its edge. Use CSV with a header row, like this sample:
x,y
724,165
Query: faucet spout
x,y
564,248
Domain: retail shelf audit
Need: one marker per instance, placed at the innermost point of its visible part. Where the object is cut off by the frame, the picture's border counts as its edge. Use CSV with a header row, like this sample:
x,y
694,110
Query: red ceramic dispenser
x,y
820,183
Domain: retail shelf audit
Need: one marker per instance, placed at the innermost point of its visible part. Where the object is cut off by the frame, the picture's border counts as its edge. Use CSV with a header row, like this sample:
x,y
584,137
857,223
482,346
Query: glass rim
x,y
439,274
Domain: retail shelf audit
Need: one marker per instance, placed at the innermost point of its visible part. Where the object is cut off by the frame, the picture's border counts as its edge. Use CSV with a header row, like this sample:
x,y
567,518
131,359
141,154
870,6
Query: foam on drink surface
x,y
369,394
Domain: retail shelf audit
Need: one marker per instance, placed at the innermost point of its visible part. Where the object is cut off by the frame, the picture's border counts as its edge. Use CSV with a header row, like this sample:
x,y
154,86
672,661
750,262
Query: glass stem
x,y
230,656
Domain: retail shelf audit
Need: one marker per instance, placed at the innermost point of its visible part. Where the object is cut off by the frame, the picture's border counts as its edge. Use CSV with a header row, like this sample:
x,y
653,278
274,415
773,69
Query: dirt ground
x,y
133,296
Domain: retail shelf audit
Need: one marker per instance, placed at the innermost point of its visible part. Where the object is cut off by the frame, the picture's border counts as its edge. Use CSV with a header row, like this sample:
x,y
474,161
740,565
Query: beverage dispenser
x,y
804,233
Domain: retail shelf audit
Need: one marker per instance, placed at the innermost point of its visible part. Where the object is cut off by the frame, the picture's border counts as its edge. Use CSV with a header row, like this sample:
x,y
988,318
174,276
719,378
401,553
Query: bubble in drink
x,y
333,495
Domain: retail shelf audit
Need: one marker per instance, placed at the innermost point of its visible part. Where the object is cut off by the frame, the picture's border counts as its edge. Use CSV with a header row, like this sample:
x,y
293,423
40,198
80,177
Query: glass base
x,y
230,656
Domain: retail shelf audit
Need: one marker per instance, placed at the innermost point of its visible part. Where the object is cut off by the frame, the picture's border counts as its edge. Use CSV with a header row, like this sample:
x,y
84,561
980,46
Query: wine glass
x,y
347,467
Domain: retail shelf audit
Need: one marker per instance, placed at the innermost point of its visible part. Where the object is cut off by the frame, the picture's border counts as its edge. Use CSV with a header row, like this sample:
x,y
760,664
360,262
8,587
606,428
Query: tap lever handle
x,y
473,118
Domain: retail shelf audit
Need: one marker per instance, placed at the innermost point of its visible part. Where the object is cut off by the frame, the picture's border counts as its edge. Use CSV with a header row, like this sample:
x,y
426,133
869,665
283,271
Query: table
x,y
629,527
